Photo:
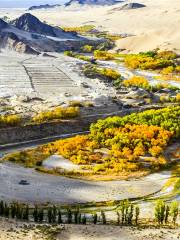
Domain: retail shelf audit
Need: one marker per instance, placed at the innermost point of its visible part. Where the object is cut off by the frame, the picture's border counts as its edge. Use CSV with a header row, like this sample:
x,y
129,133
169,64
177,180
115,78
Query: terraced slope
x,y
40,75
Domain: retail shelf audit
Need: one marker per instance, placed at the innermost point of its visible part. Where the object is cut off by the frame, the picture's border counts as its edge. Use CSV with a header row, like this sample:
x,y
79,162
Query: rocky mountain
x,y
44,6
92,2
3,24
29,35
30,23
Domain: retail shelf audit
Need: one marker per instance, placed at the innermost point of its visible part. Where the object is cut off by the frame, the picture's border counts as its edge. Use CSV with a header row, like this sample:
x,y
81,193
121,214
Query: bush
x,y
103,55
10,120
137,81
150,60
57,113
87,49
104,73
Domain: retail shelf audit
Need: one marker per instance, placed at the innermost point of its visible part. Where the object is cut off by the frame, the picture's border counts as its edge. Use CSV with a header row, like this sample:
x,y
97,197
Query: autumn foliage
x,y
10,120
137,81
57,113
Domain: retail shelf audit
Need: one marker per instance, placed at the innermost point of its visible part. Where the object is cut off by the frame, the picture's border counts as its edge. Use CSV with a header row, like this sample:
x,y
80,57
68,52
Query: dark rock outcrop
x,y
132,6
92,2
44,6
30,23
3,24
11,41
27,34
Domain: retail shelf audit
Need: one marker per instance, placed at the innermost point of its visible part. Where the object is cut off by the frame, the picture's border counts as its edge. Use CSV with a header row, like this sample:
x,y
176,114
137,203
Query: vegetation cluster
x,y
115,146
127,214
165,61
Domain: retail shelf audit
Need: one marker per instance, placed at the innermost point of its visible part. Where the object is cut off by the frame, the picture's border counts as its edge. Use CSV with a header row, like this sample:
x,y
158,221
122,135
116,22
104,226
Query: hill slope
x,y
28,34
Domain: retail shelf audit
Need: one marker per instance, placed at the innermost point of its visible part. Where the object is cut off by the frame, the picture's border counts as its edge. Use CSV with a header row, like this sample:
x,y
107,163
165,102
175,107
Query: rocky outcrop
x,y
92,2
29,35
129,6
44,6
3,24
12,42
30,23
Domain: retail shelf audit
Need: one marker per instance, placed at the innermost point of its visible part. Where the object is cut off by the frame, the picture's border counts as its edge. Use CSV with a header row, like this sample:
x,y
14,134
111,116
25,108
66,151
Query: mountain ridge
x,y
29,35
92,2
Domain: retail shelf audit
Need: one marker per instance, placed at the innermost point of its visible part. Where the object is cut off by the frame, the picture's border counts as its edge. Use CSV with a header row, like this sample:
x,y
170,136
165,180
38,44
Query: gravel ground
x,y
10,230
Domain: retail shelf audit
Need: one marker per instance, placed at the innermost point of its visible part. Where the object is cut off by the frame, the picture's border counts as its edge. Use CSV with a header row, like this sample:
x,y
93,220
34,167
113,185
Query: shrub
x,y
137,81
167,70
57,113
10,120
169,55
87,49
103,55
104,73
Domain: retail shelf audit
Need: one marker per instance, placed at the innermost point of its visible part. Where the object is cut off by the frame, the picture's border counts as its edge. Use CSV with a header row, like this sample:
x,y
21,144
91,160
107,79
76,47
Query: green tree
x,y
160,211
84,220
35,213
60,217
95,218
26,213
103,216
69,216
49,215
1,208
167,212
174,210
54,214
118,218
137,212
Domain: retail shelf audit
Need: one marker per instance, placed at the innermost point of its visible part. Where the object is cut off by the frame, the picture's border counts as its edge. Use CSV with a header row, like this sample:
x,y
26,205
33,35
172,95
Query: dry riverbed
x,y
45,188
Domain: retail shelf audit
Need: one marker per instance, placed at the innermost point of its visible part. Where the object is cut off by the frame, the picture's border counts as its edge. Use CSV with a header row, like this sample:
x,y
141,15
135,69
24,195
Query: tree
x,y
69,216
79,219
76,214
137,212
174,209
13,210
1,208
95,218
35,214
167,212
54,214
103,216
25,213
160,211
41,215
6,210
60,217
130,214
49,215
122,212
84,220
118,218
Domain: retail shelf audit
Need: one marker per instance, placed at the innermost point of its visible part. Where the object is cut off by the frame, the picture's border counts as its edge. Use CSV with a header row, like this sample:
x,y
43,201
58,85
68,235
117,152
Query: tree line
x,y
127,214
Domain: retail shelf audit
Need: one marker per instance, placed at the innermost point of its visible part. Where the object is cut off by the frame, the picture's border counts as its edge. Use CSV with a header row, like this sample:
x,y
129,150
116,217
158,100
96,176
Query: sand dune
x,y
156,25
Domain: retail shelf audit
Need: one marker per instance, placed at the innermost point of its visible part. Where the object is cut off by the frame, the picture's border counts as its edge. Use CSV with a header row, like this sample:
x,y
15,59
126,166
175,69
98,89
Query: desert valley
x,y
90,120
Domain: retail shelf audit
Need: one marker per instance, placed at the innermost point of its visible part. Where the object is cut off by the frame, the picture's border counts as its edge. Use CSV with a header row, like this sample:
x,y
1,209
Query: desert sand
x,y
154,26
